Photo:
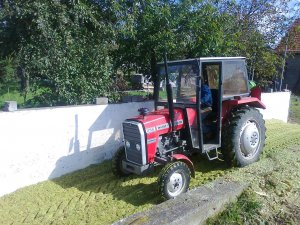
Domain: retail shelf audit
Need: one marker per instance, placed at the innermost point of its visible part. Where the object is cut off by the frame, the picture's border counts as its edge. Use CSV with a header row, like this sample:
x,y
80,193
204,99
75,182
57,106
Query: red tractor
x,y
180,125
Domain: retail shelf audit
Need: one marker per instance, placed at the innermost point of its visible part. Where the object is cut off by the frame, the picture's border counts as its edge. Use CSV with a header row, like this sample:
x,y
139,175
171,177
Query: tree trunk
x,y
154,74
24,78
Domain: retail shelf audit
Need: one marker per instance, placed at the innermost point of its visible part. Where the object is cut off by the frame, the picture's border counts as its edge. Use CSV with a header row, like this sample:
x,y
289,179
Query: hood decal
x,y
150,130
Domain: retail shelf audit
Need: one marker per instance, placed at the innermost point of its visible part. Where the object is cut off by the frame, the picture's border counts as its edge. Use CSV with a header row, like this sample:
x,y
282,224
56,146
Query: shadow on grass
x,y
136,190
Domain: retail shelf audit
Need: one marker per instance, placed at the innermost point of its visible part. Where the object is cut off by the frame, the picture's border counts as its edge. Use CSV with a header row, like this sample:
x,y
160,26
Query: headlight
x,y
138,147
127,143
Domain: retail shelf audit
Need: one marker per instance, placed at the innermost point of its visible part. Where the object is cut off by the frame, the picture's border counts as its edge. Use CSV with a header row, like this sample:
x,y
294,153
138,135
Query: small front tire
x,y
117,167
174,179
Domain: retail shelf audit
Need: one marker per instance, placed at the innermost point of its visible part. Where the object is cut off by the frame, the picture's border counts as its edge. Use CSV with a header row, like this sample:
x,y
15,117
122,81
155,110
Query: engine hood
x,y
159,121
155,124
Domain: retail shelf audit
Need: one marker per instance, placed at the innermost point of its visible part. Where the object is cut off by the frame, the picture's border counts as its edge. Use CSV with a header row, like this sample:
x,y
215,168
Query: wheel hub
x,y
175,184
249,139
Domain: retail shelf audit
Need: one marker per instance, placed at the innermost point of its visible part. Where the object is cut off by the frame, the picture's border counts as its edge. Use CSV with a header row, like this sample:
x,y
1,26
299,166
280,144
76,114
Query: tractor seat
x,y
206,110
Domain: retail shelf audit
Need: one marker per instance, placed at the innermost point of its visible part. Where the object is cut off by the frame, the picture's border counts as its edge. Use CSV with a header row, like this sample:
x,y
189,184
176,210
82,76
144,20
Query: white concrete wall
x,y
40,144
277,104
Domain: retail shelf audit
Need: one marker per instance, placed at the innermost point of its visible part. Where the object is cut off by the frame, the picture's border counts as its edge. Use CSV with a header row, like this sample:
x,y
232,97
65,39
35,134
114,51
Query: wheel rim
x,y
175,184
249,139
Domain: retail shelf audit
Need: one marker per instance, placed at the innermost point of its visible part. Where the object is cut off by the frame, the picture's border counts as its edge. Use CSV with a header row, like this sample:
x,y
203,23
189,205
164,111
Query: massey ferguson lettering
x,y
163,126
150,130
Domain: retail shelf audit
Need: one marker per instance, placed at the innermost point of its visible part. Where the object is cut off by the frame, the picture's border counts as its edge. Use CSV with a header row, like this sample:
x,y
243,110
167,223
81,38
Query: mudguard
x,y
228,105
183,158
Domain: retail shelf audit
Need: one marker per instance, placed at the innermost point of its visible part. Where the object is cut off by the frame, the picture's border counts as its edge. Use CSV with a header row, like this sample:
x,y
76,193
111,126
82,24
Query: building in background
x,y
291,73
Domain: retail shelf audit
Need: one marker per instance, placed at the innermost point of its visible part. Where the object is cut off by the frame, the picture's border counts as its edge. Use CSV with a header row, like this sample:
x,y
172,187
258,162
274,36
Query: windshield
x,y
183,82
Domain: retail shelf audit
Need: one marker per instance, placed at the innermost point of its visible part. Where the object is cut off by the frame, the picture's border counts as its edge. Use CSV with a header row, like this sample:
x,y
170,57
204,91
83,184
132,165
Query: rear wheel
x,y
117,167
243,137
174,179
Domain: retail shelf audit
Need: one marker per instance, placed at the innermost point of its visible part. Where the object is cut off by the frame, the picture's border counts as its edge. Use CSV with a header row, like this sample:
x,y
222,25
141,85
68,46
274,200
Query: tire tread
x,y
164,174
229,133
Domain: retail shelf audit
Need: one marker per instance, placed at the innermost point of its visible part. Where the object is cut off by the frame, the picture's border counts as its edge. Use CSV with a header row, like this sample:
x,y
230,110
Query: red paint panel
x,y
228,105
256,92
181,157
157,123
192,116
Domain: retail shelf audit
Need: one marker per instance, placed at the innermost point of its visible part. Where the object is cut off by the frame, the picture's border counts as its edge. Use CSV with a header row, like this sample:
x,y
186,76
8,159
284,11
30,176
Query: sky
x,y
294,6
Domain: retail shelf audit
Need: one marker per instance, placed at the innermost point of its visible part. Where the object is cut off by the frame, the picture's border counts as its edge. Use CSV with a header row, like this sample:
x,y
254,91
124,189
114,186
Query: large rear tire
x,y
243,137
117,168
174,179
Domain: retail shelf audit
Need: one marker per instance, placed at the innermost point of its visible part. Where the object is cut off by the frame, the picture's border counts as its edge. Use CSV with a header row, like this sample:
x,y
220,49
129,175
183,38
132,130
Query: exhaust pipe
x,y
169,93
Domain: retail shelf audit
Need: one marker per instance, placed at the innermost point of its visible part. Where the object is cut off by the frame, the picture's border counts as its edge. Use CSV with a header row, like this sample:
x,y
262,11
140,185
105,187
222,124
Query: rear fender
x,y
256,92
228,105
183,158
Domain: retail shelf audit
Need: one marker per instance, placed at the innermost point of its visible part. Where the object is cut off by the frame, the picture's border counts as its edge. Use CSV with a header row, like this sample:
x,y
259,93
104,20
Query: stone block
x,y
10,106
191,208
102,101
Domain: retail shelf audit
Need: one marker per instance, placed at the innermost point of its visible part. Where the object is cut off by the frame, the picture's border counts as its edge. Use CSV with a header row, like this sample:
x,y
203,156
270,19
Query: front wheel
x,y
117,167
174,179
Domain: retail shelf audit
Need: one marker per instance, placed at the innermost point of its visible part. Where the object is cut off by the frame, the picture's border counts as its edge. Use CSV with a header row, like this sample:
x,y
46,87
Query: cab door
x,y
211,74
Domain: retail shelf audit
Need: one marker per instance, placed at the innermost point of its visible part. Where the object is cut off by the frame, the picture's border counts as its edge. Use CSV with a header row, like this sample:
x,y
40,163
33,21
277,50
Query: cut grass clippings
x,y
241,212
274,188
273,194
95,196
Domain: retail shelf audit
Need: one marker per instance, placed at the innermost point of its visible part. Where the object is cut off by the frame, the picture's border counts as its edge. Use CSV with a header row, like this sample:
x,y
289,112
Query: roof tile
x,y
294,32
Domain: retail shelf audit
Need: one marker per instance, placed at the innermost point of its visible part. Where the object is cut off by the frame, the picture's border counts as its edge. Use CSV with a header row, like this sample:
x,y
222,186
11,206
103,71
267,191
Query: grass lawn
x,y
273,195
95,196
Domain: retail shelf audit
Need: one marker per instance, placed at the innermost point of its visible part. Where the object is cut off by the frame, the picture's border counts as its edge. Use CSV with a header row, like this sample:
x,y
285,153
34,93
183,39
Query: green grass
x,y
273,194
245,209
295,109
140,93
95,196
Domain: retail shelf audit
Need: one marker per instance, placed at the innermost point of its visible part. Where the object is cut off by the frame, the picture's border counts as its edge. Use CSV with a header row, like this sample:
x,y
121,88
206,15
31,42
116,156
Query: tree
x,y
187,29
62,48
254,27
148,29
68,51
7,75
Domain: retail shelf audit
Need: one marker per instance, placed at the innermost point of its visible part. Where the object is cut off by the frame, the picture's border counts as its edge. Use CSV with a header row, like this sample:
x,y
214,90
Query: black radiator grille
x,y
133,136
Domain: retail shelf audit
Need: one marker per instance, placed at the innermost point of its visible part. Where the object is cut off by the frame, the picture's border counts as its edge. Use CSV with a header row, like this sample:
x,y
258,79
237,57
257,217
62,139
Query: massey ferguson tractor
x,y
181,125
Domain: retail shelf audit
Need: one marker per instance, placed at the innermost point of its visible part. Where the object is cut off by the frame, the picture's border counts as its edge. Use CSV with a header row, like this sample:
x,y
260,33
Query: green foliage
x,y
14,95
62,47
246,35
187,29
182,29
76,50
8,80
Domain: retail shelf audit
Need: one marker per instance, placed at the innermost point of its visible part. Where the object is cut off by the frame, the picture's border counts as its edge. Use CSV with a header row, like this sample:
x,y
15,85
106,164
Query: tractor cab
x,y
226,78
201,105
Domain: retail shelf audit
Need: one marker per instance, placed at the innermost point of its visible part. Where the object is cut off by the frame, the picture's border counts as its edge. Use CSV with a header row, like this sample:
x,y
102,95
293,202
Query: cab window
x,y
234,78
